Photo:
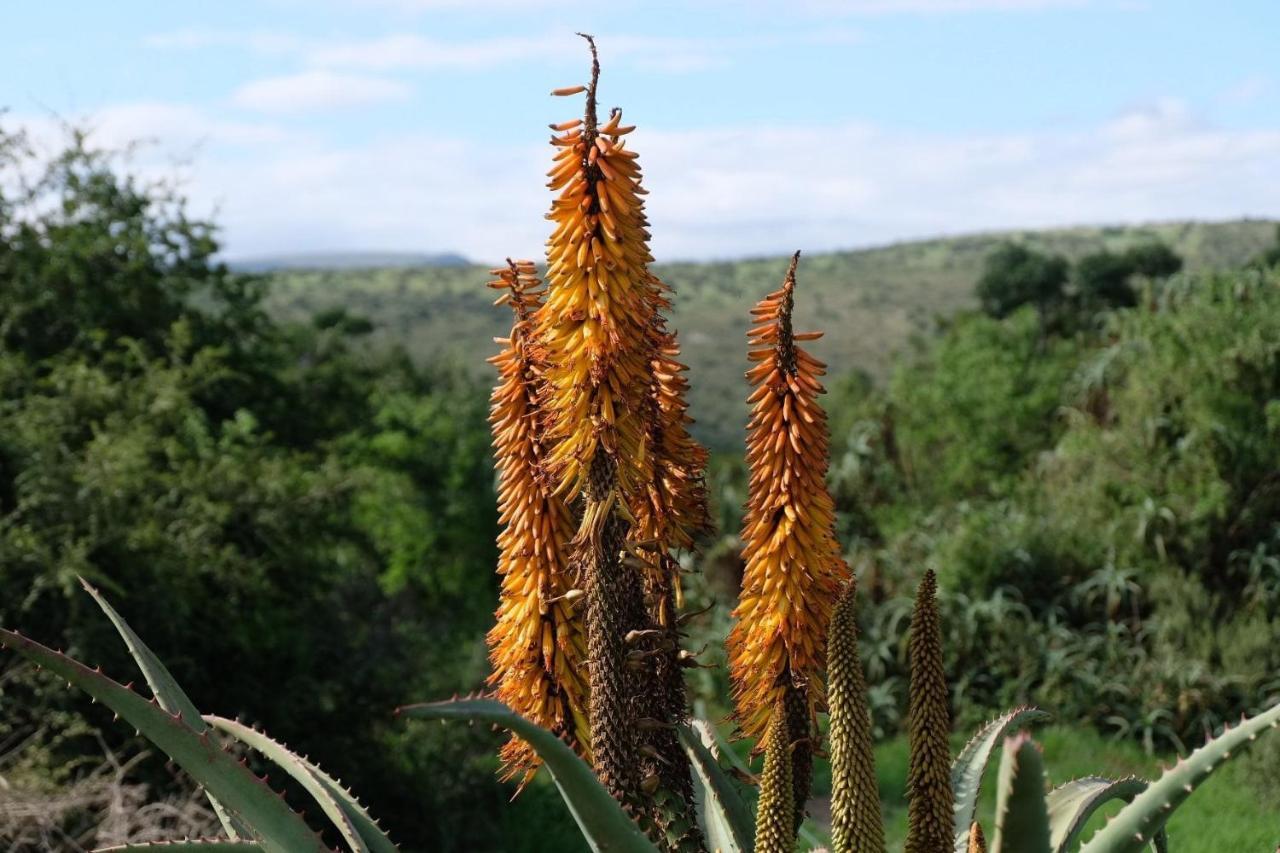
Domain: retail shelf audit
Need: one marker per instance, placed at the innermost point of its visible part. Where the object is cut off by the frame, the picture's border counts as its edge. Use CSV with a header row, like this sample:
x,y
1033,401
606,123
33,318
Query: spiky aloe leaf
x,y
1137,823
355,825
1073,803
171,697
971,765
604,824
279,828
1022,820
199,845
713,735
726,817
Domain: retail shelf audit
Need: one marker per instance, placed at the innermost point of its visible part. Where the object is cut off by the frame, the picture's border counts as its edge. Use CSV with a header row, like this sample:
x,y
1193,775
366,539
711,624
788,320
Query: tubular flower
x,y
794,570
596,327
595,321
670,509
538,645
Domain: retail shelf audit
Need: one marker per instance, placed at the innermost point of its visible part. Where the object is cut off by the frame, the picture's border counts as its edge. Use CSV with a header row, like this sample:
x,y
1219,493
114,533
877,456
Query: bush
x,y
1014,276
1101,509
305,530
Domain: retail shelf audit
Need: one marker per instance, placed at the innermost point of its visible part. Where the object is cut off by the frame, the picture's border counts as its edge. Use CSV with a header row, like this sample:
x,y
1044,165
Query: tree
x,y
1105,279
297,514
1102,280
1270,257
1014,275
1154,260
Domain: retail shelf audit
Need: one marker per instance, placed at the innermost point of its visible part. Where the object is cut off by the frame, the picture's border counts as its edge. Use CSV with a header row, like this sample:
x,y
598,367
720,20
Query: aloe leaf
x,y
279,828
604,824
1022,819
1073,803
727,820
1140,821
200,845
713,735
359,830
171,697
971,764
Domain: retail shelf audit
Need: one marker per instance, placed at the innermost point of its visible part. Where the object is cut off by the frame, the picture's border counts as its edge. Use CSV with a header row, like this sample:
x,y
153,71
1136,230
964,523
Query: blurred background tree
x,y
303,526
1014,275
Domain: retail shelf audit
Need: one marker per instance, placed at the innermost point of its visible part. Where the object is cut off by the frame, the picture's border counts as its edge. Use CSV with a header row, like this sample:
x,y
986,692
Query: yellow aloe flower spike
x,y
794,570
538,645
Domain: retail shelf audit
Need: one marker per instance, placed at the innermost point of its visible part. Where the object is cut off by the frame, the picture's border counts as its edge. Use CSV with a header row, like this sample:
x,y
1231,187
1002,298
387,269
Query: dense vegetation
x,y
872,302
310,524
304,515
1102,507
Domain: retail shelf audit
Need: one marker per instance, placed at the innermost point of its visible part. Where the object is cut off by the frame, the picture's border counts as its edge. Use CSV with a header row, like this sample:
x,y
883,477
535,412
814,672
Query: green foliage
x,y
1022,818
317,518
1269,257
275,825
730,827
970,766
1227,812
1014,276
1123,534
1106,279
1073,803
1154,260
90,256
603,822
1102,281
873,302
969,412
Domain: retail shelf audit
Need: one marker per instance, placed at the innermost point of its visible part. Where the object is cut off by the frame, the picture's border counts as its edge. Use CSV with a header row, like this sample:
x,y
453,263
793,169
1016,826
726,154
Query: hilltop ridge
x,y
870,302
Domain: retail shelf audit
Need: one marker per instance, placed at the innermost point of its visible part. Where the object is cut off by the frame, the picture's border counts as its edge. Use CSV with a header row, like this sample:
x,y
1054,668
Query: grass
x,y
870,302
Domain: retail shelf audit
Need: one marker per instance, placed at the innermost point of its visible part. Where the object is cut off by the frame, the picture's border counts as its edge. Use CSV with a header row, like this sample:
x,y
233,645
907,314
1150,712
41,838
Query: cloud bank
x,y
734,191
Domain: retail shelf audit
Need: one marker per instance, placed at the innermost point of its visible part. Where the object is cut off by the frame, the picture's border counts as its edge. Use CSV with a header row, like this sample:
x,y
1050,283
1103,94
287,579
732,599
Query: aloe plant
x,y
600,483
253,815
1028,820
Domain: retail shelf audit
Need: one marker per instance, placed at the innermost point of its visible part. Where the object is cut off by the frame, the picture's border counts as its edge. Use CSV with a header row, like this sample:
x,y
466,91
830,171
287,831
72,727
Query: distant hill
x,y
347,261
869,302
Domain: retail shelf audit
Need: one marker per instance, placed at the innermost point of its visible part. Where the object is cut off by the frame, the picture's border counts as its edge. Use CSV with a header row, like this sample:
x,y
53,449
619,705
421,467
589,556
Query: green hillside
x,y
870,302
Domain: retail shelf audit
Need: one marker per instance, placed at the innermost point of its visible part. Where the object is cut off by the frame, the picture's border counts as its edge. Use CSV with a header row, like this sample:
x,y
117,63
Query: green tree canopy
x,y
1105,279
1014,275
305,526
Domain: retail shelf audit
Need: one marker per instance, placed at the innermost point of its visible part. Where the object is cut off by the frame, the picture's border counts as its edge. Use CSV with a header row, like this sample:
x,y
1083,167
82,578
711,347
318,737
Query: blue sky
x,y
420,124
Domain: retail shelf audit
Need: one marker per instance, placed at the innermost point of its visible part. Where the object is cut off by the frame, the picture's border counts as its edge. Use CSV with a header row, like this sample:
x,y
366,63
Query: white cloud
x,y
312,91
722,192
157,129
